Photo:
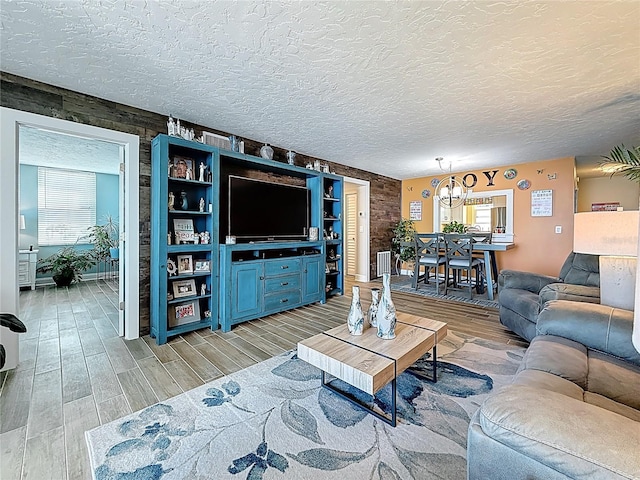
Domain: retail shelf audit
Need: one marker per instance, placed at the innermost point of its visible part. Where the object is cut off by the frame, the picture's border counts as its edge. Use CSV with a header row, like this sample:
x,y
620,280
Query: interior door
x,y
122,245
352,233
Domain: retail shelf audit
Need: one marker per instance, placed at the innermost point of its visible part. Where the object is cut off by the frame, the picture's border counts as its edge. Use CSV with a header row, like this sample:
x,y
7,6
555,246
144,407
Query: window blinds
x,y
66,205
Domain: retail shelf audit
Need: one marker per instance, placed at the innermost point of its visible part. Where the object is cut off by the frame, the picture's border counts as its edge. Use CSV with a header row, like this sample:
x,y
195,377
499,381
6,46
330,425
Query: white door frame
x,y
363,273
10,121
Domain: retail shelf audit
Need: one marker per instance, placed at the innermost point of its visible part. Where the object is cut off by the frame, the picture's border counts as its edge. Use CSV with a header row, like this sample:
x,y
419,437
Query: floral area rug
x,y
274,421
403,283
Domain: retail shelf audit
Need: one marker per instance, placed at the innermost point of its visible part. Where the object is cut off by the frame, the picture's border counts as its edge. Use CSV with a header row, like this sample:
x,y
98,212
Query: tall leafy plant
x,y
623,160
402,243
104,237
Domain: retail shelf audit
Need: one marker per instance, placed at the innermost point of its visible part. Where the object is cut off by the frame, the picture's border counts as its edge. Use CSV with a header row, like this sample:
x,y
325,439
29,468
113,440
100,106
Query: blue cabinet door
x,y
312,279
246,282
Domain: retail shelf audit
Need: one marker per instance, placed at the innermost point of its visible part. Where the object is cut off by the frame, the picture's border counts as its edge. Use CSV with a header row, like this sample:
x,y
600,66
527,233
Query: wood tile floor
x,y
75,373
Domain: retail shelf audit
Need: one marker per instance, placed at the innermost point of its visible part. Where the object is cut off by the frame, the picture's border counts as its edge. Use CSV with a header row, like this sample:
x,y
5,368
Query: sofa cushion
x,y
614,378
548,381
559,356
567,291
619,408
579,440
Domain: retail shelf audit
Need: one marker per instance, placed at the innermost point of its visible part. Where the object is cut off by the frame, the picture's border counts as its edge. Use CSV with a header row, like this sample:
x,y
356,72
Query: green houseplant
x,y
454,227
67,265
402,242
105,239
623,160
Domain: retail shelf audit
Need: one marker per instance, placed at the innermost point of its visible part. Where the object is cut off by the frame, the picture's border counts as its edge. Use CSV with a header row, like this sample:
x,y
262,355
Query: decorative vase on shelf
x,y
355,320
372,314
184,202
386,316
266,152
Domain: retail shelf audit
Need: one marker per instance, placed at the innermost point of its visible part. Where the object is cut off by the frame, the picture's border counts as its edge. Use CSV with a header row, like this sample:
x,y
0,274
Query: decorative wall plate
x,y
435,182
426,193
510,173
524,184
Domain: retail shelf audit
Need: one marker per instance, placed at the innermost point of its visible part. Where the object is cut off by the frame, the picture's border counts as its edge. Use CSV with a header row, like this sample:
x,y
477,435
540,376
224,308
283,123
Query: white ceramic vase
x,y
355,320
372,314
386,311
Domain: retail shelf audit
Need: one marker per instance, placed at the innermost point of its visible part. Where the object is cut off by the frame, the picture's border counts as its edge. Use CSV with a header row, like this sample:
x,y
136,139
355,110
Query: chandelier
x,y
451,192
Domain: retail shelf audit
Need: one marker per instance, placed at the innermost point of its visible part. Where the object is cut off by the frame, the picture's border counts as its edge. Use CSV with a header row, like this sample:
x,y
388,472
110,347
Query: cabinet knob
x,y
261,277
284,267
284,284
284,300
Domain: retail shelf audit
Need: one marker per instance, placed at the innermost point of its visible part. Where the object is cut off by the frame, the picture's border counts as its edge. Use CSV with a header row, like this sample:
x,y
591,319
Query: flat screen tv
x,y
266,211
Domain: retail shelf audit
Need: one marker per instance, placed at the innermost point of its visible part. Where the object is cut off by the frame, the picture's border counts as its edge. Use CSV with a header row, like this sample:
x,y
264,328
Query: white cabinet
x,y
27,260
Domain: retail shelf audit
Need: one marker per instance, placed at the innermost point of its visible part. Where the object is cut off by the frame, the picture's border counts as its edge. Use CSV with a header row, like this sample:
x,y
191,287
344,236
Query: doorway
x,y
357,228
11,122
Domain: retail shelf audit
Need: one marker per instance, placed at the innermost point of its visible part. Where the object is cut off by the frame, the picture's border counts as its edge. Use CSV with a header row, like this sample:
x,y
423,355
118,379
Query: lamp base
x,y
618,281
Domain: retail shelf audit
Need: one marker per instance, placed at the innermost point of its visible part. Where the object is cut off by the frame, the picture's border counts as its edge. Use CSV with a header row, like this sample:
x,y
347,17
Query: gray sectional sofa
x,y
573,408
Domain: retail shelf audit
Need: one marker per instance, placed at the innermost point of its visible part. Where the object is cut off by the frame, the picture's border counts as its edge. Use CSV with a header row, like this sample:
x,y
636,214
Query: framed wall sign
x,y
415,210
542,203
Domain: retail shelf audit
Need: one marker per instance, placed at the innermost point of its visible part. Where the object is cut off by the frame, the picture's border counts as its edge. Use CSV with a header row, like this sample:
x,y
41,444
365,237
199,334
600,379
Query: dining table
x,y
491,265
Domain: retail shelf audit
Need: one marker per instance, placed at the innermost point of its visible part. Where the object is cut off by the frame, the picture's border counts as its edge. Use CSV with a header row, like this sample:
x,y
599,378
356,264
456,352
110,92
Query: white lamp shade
x,y
606,233
457,192
444,192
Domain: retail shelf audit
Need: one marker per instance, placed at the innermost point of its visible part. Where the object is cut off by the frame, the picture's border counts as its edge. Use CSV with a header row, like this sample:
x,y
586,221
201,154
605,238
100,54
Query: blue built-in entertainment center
x,y
236,237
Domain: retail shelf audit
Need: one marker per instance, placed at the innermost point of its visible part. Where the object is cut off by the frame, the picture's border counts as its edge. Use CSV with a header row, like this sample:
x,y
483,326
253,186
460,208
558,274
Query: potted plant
x,y
454,227
402,244
105,239
67,265
623,160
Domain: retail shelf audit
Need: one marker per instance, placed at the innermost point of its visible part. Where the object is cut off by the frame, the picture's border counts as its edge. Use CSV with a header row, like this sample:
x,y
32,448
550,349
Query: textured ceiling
x,y
52,149
382,86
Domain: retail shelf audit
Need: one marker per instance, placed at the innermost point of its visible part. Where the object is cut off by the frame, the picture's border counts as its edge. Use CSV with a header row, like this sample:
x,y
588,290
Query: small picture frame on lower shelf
x,y
184,313
184,288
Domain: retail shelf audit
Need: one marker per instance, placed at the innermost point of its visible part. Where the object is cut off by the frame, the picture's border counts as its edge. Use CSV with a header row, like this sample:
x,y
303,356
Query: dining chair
x,y
481,237
459,257
429,254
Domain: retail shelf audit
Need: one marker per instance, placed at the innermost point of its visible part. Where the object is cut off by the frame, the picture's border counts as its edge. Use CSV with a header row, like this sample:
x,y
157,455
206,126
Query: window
x,y
66,205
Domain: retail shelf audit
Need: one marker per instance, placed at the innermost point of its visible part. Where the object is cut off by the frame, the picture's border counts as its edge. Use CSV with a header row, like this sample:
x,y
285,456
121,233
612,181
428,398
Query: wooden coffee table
x,y
368,362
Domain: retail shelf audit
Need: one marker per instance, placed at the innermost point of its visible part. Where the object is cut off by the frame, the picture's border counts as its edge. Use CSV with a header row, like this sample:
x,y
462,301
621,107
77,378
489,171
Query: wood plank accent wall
x,y
20,93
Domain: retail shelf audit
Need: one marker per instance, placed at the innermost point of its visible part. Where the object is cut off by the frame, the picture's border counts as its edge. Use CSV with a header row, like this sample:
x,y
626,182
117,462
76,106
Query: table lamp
x,y
613,236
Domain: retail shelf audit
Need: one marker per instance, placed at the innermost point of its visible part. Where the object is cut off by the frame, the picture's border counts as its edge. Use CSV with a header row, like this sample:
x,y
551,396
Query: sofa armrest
x,y
532,282
595,326
572,437
568,291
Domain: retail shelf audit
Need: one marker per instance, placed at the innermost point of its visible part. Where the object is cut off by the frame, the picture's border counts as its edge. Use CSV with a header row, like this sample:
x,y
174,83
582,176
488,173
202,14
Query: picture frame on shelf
x,y
202,265
182,167
184,313
183,230
185,264
184,288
